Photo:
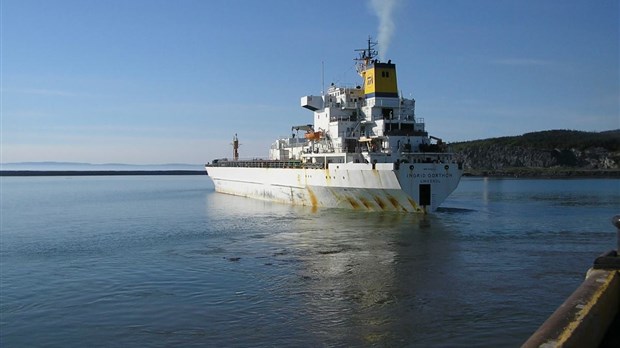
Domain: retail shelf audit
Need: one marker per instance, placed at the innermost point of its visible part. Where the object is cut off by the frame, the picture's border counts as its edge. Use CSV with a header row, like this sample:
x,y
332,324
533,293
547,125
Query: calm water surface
x,y
160,261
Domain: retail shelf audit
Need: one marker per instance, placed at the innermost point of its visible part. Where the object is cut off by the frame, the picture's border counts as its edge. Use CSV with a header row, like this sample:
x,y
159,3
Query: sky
x,y
158,81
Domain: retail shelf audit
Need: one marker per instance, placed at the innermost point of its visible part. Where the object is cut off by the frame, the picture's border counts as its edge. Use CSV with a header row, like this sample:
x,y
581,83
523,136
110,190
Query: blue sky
x,y
132,81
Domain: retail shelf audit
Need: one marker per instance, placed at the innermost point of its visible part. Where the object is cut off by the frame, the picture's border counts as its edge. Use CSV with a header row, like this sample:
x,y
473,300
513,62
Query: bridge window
x,y
387,113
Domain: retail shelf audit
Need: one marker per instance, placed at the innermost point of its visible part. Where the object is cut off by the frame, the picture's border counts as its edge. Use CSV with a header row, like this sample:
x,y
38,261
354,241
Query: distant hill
x,y
546,153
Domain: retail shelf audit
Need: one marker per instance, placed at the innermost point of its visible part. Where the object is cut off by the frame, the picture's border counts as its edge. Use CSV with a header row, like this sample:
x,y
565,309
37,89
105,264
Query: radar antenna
x,y
366,55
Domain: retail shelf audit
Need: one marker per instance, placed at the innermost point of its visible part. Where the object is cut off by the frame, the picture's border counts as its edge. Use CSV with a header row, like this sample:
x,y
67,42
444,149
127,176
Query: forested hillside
x,y
554,152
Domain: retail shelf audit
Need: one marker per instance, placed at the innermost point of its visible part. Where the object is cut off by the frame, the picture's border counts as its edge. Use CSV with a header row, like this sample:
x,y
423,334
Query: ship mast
x,y
235,145
365,56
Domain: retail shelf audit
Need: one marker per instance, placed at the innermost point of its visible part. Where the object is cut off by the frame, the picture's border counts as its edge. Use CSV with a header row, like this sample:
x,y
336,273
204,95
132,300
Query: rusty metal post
x,y
610,259
616,221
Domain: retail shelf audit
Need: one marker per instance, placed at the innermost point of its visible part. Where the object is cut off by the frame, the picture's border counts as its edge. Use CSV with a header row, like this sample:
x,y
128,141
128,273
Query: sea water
x,y
149,261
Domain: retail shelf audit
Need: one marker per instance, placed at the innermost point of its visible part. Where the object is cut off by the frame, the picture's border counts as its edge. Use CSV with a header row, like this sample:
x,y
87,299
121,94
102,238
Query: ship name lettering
x,y
430,181
429,175
440,175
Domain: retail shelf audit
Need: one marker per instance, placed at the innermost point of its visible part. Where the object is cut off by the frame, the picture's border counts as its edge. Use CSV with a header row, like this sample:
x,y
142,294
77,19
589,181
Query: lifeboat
x,y
313,135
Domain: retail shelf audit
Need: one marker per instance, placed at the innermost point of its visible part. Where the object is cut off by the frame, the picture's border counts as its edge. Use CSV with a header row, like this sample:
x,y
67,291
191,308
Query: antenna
x,y
322,78
366,55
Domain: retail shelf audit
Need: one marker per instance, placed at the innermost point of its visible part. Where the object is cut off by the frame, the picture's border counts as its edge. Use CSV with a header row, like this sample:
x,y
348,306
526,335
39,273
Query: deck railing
x,y
258,163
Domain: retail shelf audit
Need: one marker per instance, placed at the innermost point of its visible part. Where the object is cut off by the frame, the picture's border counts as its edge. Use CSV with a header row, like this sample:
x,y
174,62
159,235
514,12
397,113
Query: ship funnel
x,y
380,80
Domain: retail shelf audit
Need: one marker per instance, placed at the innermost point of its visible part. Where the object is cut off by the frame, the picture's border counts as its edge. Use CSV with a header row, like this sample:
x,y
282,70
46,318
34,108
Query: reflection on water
x,y
152,261
376,269
356,278
465,275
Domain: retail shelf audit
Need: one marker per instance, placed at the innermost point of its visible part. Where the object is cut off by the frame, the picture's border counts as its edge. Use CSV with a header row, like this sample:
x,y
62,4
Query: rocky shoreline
x,y
544,173
546,154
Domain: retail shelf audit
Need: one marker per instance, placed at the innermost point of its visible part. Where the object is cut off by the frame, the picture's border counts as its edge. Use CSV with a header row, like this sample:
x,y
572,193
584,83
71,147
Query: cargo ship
x,y
366,150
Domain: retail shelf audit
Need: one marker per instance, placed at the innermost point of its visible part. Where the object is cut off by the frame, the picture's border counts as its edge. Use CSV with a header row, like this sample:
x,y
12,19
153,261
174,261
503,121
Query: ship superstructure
x,y
366,149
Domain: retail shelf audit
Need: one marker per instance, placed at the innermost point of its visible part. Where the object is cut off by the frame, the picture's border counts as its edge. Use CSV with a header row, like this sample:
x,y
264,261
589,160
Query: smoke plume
x,y
384,9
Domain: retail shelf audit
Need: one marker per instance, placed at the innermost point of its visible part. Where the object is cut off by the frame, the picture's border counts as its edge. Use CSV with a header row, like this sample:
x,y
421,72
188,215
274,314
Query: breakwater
x,y
98,172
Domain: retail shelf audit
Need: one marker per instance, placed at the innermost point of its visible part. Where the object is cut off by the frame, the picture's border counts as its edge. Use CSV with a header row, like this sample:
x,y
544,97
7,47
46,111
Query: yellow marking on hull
x,y
334,193
413,203
313,201
353,203
394,202
380,202
366,203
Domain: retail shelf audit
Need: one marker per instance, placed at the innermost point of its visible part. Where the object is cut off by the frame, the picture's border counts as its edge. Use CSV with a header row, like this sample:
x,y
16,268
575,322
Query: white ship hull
x,y
419,187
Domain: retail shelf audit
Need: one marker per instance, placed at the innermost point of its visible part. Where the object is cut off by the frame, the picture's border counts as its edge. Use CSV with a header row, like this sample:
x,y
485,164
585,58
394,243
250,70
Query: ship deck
x,y
259,163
